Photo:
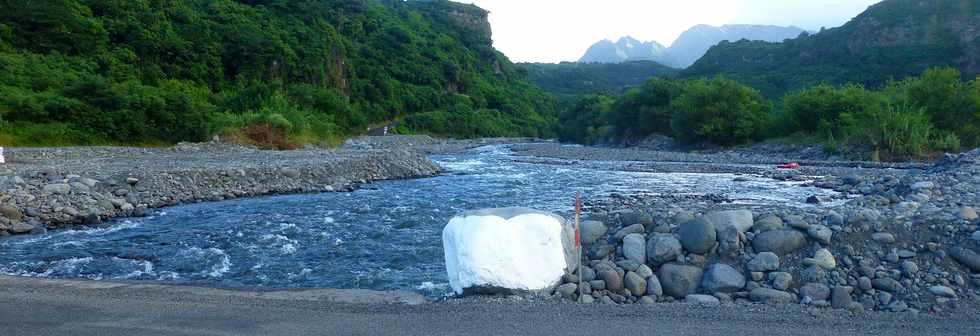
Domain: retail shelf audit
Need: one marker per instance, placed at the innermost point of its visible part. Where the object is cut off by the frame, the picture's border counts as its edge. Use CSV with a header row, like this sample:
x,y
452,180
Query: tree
x,y
720,111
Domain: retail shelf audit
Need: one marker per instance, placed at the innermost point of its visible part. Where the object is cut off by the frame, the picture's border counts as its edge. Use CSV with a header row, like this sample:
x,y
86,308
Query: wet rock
x,y
592,230
780,242
21,227
771,296
634,247
697,236
635,284
764,262
722,278
679,280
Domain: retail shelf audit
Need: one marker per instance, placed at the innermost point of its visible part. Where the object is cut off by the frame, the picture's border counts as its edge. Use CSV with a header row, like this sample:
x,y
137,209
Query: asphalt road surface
x,y
60,307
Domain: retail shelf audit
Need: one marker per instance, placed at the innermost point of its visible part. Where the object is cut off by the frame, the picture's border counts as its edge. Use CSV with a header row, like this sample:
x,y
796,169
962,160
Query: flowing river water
x,y
384,236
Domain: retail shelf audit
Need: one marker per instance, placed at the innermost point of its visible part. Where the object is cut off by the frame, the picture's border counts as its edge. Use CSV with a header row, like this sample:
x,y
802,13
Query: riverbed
x,y
383,236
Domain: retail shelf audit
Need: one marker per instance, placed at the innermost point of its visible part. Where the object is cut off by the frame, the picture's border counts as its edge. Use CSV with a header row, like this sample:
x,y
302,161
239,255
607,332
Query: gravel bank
x,y
53,187
907,239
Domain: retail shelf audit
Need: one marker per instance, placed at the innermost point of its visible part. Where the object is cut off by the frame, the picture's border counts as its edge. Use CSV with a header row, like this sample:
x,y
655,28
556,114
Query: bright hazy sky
x,y
561,30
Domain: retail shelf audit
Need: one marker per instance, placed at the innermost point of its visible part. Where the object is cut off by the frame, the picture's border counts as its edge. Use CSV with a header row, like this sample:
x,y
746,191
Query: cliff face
x,y
893,39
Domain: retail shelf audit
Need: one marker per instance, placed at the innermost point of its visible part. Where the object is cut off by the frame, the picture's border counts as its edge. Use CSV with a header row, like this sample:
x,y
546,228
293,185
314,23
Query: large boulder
x,y
739,219
698,235
663,248
679,280
721,278
634,248
780,242
592,231
508,250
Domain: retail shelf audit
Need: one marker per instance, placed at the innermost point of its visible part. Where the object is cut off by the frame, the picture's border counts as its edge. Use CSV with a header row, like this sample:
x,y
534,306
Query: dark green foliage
x,y
132,71
568,80
648,109
586,120
720,111
910,118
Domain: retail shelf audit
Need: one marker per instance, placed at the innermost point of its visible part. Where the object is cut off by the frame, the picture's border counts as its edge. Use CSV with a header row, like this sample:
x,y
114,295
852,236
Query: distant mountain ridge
x,y
688,48
695,42
890,40
625,49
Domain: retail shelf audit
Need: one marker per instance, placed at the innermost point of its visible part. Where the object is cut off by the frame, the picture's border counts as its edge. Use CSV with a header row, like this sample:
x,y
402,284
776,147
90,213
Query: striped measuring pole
x,y
578,242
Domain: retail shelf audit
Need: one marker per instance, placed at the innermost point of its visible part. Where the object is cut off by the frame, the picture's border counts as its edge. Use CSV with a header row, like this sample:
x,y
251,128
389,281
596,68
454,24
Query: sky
x,y
561,30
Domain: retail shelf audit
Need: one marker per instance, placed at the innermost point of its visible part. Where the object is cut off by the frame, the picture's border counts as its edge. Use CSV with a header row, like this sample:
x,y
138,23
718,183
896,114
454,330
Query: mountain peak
x,y
626,48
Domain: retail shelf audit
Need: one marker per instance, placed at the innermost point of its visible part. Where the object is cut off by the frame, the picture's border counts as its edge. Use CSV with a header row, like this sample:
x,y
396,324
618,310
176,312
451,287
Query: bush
x,y
720,111
897,131
817,109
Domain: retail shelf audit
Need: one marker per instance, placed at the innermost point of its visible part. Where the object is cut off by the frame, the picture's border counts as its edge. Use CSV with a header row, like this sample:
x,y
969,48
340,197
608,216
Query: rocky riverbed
x,y
906,240
897,237
43,188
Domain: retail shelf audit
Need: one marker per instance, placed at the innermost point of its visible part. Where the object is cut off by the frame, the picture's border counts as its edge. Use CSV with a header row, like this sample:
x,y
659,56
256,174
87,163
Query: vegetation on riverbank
x,y
903,119
273,72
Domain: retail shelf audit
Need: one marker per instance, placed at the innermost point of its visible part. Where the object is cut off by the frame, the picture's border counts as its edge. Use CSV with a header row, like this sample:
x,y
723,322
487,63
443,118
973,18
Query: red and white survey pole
x,y
578,242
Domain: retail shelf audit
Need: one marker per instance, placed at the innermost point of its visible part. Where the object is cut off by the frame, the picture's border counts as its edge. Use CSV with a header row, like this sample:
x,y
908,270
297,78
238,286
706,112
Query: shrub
x,y
720,111
898,131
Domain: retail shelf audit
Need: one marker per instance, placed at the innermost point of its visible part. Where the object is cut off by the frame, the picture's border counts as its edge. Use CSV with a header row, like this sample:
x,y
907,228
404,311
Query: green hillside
x,y
891,40
567,80
269,71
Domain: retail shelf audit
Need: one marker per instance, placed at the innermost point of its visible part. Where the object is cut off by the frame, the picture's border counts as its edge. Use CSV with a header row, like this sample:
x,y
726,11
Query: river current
x,y
384,236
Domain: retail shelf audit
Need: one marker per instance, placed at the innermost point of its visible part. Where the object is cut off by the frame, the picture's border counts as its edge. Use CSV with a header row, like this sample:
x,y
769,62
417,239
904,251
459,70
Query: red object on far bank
x,y
791,165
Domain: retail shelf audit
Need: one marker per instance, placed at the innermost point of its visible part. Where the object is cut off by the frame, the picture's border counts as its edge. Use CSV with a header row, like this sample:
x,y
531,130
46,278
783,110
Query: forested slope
x,y
270,71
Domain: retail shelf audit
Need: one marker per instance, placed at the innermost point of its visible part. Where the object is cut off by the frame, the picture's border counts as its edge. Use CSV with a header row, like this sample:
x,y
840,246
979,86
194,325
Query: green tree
x,y
720,111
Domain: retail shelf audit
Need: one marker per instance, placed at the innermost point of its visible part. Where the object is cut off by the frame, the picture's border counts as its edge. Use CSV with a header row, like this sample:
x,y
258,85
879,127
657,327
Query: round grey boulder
x,y
634,248
679,280
722,278
816,291
662,248
591,231
764,262
820,233
768,223
780,242
698,236
739,219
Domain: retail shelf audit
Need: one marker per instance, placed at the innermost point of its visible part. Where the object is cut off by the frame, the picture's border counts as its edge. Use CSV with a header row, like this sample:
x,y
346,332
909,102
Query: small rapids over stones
x,y
384,236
